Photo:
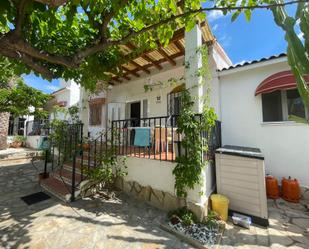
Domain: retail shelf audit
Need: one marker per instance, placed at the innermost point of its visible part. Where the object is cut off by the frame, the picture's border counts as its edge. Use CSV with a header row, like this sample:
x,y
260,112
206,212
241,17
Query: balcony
x,y
157,138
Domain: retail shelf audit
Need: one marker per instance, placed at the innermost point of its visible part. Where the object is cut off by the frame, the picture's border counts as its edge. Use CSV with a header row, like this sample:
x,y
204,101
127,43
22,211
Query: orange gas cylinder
x,y
290,189
272,187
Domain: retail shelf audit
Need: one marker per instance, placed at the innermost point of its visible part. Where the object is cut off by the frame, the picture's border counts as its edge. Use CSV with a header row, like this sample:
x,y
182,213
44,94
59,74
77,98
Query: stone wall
x,y
159,199
4,125
305,195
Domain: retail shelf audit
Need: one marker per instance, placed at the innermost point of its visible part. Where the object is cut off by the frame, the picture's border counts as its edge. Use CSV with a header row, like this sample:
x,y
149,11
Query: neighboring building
x,y
68,95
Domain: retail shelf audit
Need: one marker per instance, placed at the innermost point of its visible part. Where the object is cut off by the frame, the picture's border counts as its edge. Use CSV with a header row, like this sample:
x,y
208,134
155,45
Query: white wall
x,y
158,175
133,90
285,145
32,141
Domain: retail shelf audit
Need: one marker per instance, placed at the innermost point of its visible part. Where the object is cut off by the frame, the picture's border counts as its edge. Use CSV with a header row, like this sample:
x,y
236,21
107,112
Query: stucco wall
x,y
284,144
158,175
32,141
133,90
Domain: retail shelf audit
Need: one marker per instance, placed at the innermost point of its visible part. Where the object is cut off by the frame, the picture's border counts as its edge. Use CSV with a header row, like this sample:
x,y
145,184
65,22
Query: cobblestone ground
x,y
289,228
123,223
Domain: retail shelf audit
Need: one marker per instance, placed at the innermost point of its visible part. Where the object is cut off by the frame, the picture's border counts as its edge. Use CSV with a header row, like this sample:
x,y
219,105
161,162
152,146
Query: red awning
x,y
279,81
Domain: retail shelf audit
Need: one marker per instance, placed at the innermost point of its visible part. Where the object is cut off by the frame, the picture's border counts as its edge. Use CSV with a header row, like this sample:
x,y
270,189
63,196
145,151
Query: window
x,y
279,105
272,107
295,104
95,114
174,103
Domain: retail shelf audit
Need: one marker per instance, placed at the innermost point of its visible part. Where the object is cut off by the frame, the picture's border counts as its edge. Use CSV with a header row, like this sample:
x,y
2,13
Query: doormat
x,y
35,198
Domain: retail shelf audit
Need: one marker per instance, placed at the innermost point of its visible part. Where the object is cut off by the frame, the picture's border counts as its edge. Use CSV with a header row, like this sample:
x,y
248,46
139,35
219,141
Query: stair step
x,y
66,176
57,188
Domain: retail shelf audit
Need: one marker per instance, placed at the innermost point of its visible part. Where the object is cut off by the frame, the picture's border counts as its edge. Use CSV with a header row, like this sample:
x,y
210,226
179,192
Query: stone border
x,y
191,241
158,198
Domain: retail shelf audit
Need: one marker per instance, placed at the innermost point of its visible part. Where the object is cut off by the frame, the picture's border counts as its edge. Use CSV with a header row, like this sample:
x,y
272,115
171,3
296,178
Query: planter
x,y
16,144
43,176
84,146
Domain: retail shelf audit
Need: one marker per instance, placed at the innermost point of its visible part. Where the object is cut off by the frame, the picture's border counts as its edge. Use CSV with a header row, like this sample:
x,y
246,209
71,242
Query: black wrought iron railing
x,y
157,137
65,143
36,127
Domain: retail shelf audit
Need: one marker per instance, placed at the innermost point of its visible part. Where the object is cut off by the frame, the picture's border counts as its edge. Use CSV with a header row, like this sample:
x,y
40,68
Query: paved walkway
x,y
124,223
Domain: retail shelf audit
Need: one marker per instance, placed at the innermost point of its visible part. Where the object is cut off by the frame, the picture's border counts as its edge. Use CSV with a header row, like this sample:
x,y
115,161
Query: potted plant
x,y
18,141
85,145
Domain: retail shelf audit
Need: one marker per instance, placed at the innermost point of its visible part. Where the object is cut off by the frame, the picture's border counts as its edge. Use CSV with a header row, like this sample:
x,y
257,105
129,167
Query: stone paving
x,y
122,223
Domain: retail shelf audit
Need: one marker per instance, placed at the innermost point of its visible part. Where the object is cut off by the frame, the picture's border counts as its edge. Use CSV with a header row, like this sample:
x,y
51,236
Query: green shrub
x,y
19,139
186,215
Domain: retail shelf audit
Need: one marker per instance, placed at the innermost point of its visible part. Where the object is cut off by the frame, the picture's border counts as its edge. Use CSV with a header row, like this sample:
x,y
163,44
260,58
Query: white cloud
x,y
225,40
215,27
214,15
52,88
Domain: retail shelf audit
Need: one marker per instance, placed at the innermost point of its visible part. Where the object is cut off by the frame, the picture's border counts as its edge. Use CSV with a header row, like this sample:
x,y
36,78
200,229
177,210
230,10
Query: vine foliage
x,y
196,129
190,164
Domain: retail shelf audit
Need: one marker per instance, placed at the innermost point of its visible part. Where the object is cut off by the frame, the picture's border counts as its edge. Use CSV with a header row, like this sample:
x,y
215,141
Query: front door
x,y
135,113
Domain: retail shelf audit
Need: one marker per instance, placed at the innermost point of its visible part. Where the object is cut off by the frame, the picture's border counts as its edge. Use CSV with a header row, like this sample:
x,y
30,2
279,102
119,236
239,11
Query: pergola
x,y
149,59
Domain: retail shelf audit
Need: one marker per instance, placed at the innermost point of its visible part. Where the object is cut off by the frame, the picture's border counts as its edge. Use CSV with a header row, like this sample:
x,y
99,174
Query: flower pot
x,y
43,176
86,146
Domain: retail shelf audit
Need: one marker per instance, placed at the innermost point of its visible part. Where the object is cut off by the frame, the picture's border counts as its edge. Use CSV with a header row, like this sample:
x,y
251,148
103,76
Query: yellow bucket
x,y
220,204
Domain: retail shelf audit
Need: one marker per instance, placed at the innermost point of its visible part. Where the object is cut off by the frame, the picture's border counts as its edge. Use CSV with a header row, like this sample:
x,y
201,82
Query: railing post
x,y
81,150
74,163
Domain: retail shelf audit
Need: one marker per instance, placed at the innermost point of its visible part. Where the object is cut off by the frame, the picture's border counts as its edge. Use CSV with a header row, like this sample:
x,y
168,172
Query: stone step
x,y
59,188
66,176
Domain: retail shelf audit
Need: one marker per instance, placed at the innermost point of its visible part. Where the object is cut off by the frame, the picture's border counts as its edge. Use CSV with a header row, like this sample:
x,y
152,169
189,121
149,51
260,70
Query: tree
x,y
16,98
71,39
298,51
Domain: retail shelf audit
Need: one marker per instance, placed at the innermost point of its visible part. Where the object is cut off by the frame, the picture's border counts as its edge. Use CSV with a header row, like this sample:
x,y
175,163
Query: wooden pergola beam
x,y
131,72
179,46
145,56
139,66
166,56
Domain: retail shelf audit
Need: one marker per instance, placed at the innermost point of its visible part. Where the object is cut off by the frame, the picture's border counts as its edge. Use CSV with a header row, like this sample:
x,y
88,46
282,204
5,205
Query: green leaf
x,y
247,15
235,15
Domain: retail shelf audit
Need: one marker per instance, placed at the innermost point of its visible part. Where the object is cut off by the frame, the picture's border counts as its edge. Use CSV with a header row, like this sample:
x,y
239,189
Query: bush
x,y
21,139
187,216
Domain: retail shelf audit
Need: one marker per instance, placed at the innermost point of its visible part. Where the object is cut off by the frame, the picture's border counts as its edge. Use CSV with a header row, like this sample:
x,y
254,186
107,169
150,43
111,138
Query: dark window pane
x,y
272,108
295,104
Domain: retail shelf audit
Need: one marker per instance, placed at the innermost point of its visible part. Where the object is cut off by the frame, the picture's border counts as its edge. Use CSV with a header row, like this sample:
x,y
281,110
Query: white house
x,y
252,112
68,95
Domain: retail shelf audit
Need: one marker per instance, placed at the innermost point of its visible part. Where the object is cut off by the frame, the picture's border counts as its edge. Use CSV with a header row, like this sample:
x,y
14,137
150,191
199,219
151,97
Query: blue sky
x,y
242,41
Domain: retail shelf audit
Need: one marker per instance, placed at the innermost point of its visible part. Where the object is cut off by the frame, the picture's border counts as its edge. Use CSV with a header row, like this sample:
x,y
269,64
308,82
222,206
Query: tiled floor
x,y
122,223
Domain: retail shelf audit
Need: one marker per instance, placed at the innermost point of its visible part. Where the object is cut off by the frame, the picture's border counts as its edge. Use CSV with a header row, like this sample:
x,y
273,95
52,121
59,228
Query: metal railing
x,y
65,147
36,127
153,138
157,138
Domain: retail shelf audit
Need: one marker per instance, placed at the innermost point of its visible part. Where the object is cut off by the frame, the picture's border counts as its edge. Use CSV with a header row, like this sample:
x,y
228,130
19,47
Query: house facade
x,y
128,107
283,142
256,100
251,101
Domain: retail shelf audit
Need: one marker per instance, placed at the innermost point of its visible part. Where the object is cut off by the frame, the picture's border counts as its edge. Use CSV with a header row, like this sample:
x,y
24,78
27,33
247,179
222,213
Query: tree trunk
x,y
4,128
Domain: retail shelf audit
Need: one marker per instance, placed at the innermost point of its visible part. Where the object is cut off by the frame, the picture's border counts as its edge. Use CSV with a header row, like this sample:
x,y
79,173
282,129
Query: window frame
x,y
284,108
100,107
